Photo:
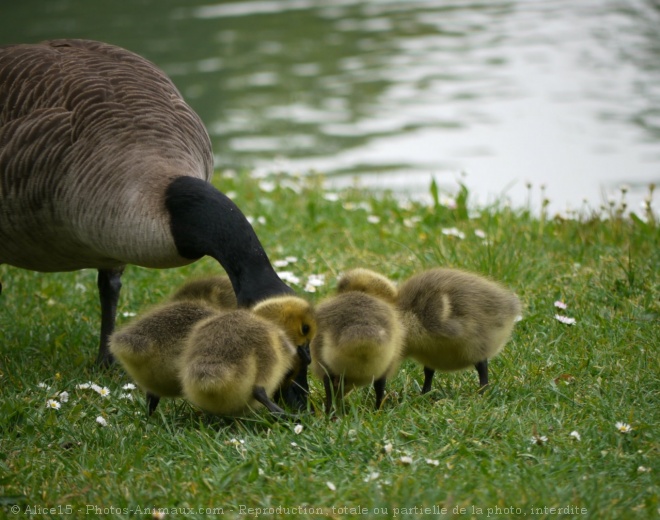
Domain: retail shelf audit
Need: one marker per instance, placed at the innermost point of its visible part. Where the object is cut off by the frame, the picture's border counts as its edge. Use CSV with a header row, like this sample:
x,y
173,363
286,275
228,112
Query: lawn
x,y
569,427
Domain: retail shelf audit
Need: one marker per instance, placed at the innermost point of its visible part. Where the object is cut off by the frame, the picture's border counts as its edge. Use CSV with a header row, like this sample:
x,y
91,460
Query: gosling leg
x,y
428,379
152,403
296,396
327,383
379,387
482,370
109,284
259,393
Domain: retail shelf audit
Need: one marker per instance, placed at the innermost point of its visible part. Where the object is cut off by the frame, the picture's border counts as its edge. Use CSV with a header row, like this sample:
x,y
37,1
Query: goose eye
x,y
305,329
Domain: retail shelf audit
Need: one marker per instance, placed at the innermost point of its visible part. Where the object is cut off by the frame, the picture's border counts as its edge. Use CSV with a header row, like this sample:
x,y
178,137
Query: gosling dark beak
x,y
303,354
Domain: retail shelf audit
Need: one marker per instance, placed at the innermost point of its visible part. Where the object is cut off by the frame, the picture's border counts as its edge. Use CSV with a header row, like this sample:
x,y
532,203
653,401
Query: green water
x,y
562,93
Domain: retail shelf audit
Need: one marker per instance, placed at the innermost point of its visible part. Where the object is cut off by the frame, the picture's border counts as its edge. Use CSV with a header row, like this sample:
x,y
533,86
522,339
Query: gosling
x,y
149,347
359,338
455,320
235,361
369,282
296,316
214,290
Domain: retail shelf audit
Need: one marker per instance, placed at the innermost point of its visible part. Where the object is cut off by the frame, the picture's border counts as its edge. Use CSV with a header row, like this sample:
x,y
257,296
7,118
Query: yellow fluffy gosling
x,y
215,290
149,347
360,338
455,319
235,361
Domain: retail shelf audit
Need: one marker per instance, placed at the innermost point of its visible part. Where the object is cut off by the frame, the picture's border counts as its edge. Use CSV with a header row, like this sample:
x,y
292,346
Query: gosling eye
x,y
305,329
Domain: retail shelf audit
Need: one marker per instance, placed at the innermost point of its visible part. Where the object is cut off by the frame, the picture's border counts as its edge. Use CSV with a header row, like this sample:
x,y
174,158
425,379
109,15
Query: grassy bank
x,y
544,435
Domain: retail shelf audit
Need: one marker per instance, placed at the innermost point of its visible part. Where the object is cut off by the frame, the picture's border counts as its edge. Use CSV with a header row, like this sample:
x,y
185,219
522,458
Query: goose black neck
x,y
204,221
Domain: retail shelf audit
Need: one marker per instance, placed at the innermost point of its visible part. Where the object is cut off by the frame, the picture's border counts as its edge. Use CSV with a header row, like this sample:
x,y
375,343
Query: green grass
x,y
551,379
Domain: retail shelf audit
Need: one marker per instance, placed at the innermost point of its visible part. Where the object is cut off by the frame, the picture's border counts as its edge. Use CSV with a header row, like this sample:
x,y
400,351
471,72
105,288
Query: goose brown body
x,y
103,164
88,133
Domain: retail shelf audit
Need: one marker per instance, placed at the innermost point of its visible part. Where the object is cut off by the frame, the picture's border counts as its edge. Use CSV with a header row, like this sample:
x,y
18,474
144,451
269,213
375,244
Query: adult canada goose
x,y
150,346
454,320
214,290
359,338
233,361
103,164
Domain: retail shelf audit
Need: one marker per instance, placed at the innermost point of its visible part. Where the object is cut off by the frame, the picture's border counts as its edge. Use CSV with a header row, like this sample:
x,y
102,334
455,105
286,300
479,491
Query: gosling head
x,y
215,290
367,281
293,314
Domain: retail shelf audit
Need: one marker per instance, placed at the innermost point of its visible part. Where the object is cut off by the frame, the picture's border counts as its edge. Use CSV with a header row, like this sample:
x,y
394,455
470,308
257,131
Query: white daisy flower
x,y
480,233
453,232
623,427
331,486
103,392
565,319
561,305
53,404
388,448
331,197
433,462
128,397
291,259
372,476
288,276
63,397
373,219
316,280
280,263
298,428
84,386
406,460
540,440
575,435
128,386
43,385
128,314
101,421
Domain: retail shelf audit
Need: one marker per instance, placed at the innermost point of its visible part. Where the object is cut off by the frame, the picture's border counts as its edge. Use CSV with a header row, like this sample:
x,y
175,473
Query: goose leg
x,y
379,387
428,379
152,403
482,370
259,393
109,284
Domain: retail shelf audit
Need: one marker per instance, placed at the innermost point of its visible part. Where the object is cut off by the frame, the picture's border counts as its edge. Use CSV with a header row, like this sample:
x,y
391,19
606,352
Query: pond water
x,y
560,93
